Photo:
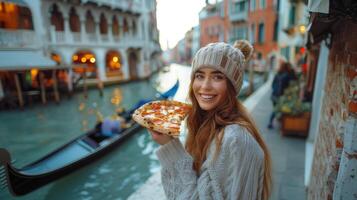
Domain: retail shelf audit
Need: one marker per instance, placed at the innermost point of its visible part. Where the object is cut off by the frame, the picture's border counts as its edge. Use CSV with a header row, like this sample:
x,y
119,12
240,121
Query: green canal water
x,y
40,129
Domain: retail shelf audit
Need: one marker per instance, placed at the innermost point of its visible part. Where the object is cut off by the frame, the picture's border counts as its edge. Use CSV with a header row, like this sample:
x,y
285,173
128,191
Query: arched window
x,y
90,24
25,18
88,63
74,22
134,28
133,61
115,26
13,16
56,18
125,26
113,62
103,24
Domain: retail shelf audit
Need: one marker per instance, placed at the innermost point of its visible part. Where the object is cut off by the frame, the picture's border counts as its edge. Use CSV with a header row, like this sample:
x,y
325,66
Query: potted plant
x,y
294,114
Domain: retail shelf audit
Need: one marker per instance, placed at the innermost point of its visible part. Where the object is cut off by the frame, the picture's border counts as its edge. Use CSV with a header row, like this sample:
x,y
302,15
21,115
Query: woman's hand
x,y
159,137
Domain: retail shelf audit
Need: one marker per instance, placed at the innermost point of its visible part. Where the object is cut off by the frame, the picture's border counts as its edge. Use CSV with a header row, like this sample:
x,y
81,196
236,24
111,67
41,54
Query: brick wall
x,y
339,104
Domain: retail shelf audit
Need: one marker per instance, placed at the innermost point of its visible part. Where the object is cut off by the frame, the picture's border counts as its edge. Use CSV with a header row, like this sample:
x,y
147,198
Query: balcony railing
x,y
73,38
205,14
239,16
122,4
104,38
60,37
92,37
77,37
18,38
116,38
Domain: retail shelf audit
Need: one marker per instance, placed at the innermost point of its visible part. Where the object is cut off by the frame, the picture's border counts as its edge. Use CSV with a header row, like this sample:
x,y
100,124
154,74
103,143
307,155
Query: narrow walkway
x,y
288,156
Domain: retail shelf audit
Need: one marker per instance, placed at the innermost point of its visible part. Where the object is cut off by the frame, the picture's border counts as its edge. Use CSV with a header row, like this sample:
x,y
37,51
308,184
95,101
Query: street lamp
x,y
302,29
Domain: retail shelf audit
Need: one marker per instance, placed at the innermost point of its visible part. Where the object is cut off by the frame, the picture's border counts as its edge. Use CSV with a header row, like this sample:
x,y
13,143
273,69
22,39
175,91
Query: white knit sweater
x,y
237,172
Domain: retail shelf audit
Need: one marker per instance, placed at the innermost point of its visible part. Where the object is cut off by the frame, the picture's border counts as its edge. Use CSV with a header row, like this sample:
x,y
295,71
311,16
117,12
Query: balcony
x,y
104,38
78,38
18,39
212,11
92,37
60,37
238,16
125,5
116,38
238,11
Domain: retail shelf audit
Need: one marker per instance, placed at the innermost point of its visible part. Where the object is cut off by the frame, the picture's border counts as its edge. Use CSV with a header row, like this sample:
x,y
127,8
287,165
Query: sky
x,y
175,18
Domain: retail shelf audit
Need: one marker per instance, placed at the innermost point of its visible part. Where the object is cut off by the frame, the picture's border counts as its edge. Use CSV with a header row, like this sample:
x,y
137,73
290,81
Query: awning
x,y
22,60
18,2
319,6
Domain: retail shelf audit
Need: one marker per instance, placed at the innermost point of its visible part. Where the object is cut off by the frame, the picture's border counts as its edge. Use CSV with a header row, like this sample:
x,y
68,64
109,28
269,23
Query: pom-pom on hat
x,y
225,58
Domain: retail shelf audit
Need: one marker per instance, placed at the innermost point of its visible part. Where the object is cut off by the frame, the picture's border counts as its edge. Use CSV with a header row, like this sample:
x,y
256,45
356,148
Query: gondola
x,y
78,153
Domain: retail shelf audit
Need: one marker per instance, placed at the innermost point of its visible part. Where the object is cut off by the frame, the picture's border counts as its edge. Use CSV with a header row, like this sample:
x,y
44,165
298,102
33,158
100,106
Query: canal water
x,y
40,129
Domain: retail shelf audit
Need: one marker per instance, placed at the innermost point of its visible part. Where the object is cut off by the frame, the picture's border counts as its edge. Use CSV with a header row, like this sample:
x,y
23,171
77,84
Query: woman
x,y
224,156
281,81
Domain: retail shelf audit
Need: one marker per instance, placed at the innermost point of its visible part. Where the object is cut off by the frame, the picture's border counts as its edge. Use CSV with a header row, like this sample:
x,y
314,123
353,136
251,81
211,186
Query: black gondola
x,y
79,152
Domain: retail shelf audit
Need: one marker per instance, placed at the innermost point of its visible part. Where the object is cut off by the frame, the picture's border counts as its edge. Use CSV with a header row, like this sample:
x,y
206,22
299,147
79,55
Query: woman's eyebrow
x,y
217,72
214,72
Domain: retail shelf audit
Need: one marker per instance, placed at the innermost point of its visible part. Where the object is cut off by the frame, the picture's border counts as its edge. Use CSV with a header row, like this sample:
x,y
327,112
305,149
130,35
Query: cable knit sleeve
x,y
180,180
246,165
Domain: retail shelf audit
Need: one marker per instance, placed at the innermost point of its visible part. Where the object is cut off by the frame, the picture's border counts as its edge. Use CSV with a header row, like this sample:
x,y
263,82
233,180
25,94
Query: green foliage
x,y
290,102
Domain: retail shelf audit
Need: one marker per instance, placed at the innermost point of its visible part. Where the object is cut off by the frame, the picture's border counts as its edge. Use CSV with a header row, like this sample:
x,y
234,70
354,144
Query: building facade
x,y
195,40
238,20
262,26
213,27
116,40
293,20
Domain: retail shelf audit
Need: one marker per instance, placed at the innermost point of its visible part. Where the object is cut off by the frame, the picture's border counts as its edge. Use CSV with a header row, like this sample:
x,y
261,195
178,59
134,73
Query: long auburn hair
x,y
204,126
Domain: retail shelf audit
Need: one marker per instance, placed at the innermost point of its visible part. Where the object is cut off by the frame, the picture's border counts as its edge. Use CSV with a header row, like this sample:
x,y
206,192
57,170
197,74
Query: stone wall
x,y
339,104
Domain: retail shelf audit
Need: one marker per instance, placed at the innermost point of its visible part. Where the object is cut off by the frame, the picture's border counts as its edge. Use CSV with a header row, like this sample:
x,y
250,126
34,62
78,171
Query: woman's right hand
x,y
159,137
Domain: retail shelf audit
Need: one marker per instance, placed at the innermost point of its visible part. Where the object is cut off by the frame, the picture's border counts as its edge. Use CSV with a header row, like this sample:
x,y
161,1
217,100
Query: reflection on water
x,y
81,106
38,130
117,97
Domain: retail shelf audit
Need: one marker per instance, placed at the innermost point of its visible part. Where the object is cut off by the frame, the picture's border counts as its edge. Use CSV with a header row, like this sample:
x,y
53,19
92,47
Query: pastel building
x,y
107,40
212,23
238,17
195,40
293,20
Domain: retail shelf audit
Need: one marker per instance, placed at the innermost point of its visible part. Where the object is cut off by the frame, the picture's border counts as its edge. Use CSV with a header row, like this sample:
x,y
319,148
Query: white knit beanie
x,y
225,58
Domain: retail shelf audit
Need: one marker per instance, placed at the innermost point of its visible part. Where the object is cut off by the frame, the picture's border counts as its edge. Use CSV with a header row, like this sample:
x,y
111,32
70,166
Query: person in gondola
x,y
107,127
224,156
113,125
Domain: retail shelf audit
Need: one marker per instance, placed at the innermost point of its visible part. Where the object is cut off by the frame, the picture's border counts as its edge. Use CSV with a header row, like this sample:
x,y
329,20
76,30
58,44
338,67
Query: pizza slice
x,y
163,116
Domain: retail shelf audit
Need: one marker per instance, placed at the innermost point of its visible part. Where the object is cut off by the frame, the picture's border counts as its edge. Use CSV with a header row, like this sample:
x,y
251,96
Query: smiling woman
x,y
224,156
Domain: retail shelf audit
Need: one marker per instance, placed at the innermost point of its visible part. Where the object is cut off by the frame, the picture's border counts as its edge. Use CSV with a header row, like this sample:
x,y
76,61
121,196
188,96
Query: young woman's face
x,y
209,87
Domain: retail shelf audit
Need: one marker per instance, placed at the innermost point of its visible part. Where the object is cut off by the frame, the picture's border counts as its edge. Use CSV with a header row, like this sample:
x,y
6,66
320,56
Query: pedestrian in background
x,y
281,81
224,156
